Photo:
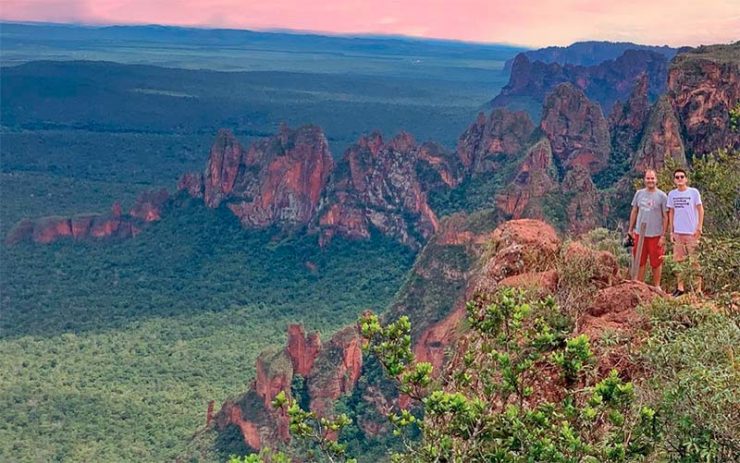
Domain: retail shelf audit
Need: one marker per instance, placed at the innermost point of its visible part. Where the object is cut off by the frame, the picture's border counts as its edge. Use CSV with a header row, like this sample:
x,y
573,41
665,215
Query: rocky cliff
x,y
703,85
385,186
275,182
323,374
588,53
492,142
605,83
468,255
576,128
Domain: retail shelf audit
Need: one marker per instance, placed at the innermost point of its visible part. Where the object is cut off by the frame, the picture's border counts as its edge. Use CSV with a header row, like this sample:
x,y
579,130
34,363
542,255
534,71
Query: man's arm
x,y
670,223
700,225
633,220
666,218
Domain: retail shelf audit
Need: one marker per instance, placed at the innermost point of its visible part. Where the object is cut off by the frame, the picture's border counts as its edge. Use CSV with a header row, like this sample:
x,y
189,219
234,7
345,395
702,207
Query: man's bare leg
x,y
641,273
679,279
657,272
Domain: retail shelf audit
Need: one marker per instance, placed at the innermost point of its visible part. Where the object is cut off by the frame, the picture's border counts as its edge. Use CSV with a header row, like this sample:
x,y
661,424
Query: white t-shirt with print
x,y
685,215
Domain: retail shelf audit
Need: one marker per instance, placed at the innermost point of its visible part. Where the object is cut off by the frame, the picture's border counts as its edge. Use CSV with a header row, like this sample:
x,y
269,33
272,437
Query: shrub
x,y
692,380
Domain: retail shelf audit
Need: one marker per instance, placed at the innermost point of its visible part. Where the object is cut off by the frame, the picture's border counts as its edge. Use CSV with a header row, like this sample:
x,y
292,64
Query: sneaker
x,y
678,293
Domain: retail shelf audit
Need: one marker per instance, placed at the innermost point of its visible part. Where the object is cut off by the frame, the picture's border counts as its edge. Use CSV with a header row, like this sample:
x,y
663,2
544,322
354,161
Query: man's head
x,y
680,177
651,179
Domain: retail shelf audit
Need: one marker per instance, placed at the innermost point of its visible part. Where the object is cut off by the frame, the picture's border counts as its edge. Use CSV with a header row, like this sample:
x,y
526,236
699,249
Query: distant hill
x,y
589,53
66,38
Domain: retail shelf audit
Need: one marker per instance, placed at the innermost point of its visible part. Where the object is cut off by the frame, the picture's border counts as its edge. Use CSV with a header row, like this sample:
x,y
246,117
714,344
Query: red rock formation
x,y
614,312
535,178
515,244
81,225
385,187
585,209
627,120
614,308
274,374
490,143
277,181
223,167
330,371
661,139
50,229
576,128
302,349
336,371
280,180
231,414
148,208
703,85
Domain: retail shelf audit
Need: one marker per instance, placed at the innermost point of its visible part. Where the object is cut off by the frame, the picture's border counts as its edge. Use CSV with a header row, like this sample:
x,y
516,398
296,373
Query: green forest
x,y
113,350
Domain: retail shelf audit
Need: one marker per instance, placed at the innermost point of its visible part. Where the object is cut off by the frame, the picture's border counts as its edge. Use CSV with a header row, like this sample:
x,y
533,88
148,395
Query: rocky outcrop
x,y
336,371
223,166
492,142
385,186
627,121
614,312
453,267
276,182
302,349
703,85
585,209
328,372
535,178
661,139
148,207
604,83
576,128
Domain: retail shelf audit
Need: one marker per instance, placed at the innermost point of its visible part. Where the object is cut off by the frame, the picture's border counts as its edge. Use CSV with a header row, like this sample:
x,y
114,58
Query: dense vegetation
x,y
112,350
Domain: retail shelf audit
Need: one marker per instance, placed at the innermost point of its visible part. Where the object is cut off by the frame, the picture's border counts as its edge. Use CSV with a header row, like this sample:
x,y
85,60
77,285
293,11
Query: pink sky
x,y
525,22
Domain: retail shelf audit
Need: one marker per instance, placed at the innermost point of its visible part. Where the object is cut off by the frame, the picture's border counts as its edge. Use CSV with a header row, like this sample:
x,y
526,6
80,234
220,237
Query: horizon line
x,y
319,33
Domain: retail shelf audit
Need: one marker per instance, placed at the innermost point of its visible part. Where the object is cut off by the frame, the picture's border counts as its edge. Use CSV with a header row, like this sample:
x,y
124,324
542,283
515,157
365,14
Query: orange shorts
x,y
651,248
683,245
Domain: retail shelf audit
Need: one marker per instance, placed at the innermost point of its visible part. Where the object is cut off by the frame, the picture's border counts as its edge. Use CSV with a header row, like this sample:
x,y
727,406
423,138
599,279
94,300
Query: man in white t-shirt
x,y
686,219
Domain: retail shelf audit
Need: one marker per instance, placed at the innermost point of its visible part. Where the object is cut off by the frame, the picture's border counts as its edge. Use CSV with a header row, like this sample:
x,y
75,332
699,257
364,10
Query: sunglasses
x,y
679,176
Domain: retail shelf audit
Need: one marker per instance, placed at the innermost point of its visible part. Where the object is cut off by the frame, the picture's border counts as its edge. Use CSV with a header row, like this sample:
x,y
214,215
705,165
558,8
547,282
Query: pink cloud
x,y
535,23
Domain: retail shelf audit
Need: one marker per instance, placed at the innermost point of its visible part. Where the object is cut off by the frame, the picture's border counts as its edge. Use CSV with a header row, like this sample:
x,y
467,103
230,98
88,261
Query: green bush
x,y
692,378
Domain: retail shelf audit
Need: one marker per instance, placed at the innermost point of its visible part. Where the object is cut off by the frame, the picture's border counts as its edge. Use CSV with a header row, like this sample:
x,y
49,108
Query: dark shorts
x,y
651,248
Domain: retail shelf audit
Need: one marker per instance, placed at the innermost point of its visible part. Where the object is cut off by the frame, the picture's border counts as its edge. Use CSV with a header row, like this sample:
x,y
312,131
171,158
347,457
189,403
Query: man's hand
x,y
697,234
673,237
661,241
632,234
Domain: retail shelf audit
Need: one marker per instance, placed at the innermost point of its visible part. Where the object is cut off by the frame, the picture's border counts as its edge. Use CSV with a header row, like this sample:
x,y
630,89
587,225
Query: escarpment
x,y
467,256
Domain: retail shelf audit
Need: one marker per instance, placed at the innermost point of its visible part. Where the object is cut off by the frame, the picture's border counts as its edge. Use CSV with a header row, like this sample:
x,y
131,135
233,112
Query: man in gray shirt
x,y
649,208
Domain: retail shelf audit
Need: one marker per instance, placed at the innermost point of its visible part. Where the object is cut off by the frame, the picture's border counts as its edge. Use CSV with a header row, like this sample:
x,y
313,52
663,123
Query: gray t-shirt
x,y
685,215
651,206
